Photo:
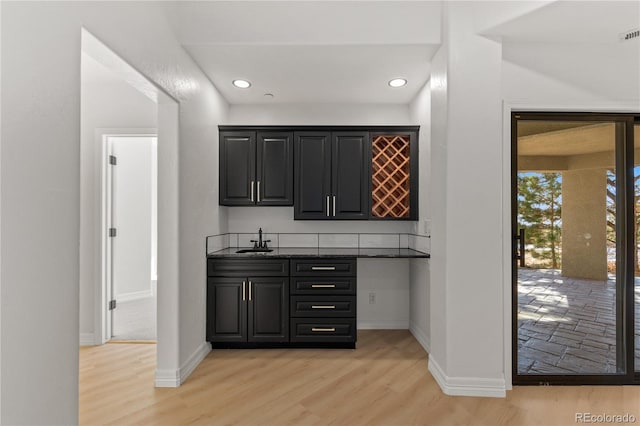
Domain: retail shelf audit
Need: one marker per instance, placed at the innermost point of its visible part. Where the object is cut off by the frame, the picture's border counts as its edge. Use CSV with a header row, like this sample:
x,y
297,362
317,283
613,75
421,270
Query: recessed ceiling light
x,y
397,82
242,84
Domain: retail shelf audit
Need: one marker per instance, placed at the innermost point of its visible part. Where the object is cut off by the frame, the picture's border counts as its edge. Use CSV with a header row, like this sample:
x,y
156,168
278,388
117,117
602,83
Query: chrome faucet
x,y
259,244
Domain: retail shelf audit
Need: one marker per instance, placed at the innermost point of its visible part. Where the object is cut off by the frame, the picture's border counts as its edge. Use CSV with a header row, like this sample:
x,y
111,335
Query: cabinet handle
x,y
258,191
334,206
249,291
323,329
252,191
323,307
244,283
327,206
323,286
323,268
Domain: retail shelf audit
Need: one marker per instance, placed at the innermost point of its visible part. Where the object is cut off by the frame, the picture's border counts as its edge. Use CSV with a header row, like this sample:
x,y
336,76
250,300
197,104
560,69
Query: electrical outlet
x,y
372,298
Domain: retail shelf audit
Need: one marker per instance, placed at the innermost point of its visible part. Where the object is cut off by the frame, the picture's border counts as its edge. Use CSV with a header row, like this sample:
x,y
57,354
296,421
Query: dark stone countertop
x,y
289,252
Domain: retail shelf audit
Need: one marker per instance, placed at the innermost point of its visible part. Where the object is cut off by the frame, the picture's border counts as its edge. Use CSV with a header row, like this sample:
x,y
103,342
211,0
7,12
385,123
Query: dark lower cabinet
x,y
323,330
242,308
323,301
226,310
247,310
268,319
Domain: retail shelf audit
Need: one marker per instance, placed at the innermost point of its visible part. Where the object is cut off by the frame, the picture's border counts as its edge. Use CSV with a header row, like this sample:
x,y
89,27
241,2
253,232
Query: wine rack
x,y
390,176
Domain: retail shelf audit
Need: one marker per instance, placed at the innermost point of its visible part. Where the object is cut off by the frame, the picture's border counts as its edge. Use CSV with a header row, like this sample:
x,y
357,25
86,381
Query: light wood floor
x,y
384,382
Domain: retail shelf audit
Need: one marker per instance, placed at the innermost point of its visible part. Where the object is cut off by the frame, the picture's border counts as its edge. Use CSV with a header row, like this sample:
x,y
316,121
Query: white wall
x,y
0,214
438,198
388,279
571,74
470,155
467,210
319,114
280,219
420,110
40,194
105,104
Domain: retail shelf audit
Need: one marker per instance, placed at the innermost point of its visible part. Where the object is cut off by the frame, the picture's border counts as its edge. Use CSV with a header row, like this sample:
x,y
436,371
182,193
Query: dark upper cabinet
x,y
256,168
312,167
325,172
394,175
331,175
274,169
237,168
350,175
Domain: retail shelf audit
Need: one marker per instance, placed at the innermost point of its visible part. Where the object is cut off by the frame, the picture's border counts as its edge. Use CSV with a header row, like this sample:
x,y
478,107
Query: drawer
x,y
324,267
323,329
323,306
247,267
324,285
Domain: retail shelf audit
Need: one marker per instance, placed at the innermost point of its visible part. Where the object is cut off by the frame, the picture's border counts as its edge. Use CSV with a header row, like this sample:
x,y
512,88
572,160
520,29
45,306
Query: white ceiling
x,y
329,51
311,51
571,22
316,74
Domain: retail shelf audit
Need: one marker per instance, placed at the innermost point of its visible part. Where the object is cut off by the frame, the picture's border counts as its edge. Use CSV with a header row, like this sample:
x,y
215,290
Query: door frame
x,y
625,301
103,290
508,107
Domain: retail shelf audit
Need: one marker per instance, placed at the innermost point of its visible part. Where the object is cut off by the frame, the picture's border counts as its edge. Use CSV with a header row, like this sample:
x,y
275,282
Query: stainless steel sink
x,y
255,250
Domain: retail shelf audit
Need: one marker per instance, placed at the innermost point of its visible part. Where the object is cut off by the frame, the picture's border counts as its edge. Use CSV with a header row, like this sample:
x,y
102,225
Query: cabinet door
x,y
237,168
268,302
226,310
274,180
312,167
350,175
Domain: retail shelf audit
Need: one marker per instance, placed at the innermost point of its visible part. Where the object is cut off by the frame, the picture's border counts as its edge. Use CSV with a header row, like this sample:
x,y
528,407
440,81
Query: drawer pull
x,y
323,286
332,329
323,307
323,268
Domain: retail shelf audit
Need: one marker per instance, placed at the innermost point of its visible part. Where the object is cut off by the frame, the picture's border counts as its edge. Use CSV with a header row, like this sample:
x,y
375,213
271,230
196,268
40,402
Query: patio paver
x,y
567,325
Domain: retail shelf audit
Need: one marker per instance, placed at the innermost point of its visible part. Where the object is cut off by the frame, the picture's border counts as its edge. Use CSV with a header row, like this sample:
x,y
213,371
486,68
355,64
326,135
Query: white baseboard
x,y
87,339
421,336
134,295
167,379
383,325
196,358
467,386
174,378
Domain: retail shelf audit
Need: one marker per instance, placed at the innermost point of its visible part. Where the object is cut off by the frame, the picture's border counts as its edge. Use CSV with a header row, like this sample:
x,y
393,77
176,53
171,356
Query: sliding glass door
x,y
575,250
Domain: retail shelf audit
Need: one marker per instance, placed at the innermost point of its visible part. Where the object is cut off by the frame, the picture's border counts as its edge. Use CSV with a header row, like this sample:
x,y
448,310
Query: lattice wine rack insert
x,y
390,176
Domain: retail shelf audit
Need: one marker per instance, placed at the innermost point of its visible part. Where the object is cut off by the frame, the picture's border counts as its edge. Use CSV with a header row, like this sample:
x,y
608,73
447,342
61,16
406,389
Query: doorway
x,y
575,224
131,225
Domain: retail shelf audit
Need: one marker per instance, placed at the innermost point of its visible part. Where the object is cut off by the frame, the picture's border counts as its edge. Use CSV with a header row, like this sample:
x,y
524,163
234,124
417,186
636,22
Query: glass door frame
x,y
625,252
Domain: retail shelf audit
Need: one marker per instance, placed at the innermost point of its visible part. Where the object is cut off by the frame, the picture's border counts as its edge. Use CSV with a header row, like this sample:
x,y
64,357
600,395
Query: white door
x,y
133,216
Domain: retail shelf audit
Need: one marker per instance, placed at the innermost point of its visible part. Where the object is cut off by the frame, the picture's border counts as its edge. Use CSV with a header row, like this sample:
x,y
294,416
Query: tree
x,y
611,210
539,212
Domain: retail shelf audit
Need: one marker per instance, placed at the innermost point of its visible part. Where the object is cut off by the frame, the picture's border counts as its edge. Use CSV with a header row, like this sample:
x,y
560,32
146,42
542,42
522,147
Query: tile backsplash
x,y
321,240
